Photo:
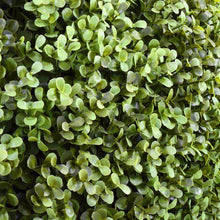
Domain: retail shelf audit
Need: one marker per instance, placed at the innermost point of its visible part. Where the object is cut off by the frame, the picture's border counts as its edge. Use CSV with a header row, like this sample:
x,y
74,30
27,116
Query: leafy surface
x,y
109,109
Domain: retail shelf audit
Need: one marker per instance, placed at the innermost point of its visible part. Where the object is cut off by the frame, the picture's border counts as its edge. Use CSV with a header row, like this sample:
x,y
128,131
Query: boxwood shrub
x,y
109,109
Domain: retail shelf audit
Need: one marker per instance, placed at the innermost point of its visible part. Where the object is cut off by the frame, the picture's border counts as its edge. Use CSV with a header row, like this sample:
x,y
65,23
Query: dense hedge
x,y
109,109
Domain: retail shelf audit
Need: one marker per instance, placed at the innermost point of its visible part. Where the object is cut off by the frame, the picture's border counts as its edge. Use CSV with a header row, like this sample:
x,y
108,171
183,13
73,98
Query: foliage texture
x,y
109,109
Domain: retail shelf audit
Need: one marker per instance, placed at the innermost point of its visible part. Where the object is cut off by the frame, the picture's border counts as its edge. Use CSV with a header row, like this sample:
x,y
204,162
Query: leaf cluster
x,y
109,109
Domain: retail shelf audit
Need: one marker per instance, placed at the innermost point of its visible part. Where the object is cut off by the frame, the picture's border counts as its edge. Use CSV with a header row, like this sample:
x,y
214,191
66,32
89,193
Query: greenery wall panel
x,y
109,109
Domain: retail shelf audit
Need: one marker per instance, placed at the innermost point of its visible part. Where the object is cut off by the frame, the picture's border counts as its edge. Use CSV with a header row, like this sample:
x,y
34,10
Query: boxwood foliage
x,y
109,109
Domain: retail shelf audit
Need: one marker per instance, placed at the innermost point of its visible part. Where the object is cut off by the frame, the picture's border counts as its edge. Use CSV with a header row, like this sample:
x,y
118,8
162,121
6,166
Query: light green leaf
x,y
77,122
87,35
59,3
181,119
60,83
125,189
115,179
54,181
140,24
30,121
32,162
42,146
68,135
83,175
166,82
74,185
16,142
90,188
40,42
74,46
22,105
93,22
3,155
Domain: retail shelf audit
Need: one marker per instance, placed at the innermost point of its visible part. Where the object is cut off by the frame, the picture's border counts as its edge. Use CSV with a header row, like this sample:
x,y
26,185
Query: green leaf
x,y
64,65
108,198
37,105
22,105
177,193
65,100
74,46
49,50
30,121
94,160
60,83
195,62
93,22
62,54
12,199
70,32
38,2
77,122
181,119
42,146
115,179
92,200
6,138
3,155
54,181
96,141
5,168
154,43
58,193
75,3
153,170
41,40
2,25
11,66
125,189
170,150
16,142
76,88
59,3
107,50
164,191
202,87
123,55
74,185
93,5
166,82
140,24
96,216
40,23
12,154
156,132
67,89
68,135
29,6
2,72
90,188
36,67
47,202
39,94
32,162
67,14
124,67
51,159
105,171
154,153
83,175
123,7
87,35
82,24
152,210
